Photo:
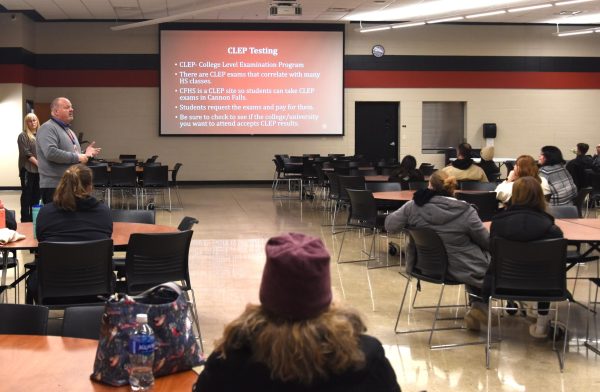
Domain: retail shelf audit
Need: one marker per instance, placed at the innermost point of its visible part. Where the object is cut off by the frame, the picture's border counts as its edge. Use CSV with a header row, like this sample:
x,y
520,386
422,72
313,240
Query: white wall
x,y
125,120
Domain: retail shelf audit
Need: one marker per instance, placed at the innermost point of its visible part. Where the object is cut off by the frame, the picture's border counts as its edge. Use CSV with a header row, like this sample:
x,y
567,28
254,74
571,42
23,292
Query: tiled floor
x,y
227,257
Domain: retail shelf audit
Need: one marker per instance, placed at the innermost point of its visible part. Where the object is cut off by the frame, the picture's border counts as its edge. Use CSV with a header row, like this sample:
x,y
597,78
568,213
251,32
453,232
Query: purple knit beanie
x,y
296,282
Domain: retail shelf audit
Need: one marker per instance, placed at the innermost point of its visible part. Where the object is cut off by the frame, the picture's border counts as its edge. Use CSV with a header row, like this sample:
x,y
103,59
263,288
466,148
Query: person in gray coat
x,y
58,147
456,222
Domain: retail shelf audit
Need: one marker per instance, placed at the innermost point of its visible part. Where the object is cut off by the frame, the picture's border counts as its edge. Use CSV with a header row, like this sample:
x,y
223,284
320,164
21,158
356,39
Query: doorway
x,y
376,130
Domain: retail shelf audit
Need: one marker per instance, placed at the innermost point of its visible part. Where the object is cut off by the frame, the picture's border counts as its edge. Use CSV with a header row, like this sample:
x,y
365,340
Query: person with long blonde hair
x,y
28,166
457,223
296,339
525,166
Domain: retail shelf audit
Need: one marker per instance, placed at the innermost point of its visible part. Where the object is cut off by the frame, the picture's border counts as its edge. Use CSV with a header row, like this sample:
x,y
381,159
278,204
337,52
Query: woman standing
x,y
28,166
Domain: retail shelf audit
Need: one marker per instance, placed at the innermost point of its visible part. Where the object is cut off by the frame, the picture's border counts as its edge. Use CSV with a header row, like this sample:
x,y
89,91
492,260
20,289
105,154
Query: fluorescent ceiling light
x,y
375,28
572,2
485,14
530,8
402,25
580,32
426,9
577,19
445,20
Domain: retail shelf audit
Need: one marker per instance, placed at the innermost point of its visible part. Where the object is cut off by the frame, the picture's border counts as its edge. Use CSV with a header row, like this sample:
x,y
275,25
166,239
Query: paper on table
x,y
8,235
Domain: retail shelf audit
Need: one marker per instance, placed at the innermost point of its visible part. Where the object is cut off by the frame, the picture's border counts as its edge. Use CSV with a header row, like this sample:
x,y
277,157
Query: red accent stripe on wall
x,y
19,73
471,79
97,78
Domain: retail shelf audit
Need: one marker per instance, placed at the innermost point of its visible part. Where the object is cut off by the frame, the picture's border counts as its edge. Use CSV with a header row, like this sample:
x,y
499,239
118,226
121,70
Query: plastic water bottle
x,y
141,355
35,210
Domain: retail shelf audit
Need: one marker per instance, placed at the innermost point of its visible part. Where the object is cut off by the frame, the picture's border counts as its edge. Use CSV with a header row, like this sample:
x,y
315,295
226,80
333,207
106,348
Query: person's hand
x,y
1,204
511,176
91,150
83,158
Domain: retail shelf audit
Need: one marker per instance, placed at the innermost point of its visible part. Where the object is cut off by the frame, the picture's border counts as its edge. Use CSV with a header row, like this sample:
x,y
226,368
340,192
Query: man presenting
x,y
58,147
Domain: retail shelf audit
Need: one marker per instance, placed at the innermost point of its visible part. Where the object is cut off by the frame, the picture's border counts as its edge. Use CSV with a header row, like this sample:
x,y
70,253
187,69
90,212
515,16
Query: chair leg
x,y
195,316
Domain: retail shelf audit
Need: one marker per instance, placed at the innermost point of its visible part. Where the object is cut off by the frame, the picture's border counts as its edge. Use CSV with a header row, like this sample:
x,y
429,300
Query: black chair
x,y
82,322
20,319
187,223
124,178
287,172
333,196
101,180
134,216
128,158
484,202
477,186
385,205
350,182
592,344
416,185
173,184
529,271
74,272
431,265
582,201
364,215
156,179
309,175
157,258
426,168
152,159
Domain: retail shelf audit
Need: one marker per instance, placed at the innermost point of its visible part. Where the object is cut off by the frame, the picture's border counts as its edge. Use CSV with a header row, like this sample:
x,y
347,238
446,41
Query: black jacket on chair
x,y
239,373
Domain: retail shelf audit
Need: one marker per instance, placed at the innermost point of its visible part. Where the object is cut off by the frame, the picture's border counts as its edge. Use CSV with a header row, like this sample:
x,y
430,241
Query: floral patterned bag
x,y
176,348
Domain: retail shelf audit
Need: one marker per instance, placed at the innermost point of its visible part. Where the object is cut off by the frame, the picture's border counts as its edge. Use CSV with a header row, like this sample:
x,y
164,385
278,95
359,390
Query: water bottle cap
x,y
141,318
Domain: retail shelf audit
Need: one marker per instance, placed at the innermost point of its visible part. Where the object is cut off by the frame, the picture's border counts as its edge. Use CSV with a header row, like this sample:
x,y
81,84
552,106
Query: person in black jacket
x,y
73,215
407,172
296,340
579,166
526,220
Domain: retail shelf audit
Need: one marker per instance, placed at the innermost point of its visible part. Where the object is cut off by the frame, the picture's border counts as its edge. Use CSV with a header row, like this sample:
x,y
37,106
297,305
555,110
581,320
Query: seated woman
x,y
296,340
406,172
458,225
525,166
553,169
526,220
73,215
488,165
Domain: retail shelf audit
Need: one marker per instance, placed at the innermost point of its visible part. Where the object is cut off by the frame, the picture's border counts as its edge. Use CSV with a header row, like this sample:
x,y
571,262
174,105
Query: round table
x,y
53,363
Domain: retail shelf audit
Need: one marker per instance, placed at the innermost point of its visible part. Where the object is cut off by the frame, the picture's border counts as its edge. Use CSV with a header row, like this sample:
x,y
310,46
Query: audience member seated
x,y
406,172
525,166
73,215
9,219
526,220
458,225
596,159
562,187
463,168
296,340
491,170
577,167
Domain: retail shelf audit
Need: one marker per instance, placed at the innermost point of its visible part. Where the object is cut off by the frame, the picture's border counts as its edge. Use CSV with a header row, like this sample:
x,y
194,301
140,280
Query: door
x,y
376,130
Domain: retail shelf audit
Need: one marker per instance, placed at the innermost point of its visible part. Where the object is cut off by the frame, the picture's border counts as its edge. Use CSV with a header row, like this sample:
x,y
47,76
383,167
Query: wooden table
x,y
378,178
120,236
53,363
395,195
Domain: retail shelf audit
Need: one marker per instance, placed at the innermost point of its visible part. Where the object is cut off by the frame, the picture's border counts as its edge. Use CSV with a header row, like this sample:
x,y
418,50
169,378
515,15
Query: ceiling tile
x,y
100,9
75,9
48,9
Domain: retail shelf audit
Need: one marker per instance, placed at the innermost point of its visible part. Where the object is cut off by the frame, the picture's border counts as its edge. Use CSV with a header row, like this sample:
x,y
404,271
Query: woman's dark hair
x,y
552,155
408,163
464,149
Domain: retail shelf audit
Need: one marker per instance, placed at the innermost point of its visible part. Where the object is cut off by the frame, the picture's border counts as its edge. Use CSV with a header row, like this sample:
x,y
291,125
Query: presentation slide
x,y
251,82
